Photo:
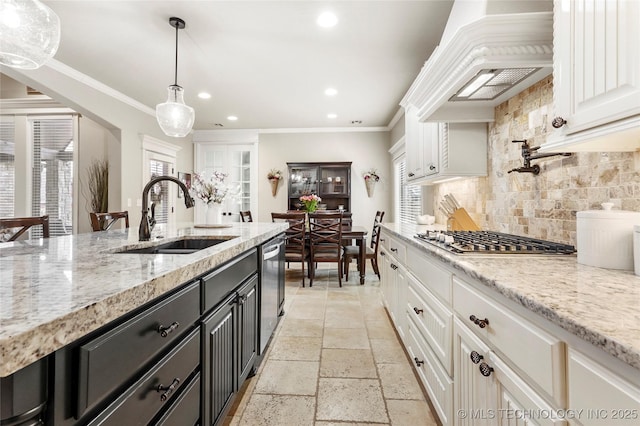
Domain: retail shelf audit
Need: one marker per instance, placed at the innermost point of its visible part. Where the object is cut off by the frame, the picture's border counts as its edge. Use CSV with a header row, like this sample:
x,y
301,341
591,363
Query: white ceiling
x,y
266,62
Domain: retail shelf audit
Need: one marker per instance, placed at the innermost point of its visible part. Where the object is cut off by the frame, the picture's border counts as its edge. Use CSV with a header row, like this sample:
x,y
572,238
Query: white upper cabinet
x,y
421,141
438,151
596,71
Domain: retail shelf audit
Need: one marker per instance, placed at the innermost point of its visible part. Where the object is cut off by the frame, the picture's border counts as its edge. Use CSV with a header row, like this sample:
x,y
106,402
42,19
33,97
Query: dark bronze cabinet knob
x,y
432,167
475,357
418,311
482,323
418,362
485,370
558,122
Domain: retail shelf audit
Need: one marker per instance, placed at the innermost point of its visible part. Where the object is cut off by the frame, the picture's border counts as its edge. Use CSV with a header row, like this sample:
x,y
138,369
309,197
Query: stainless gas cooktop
x,y
489,242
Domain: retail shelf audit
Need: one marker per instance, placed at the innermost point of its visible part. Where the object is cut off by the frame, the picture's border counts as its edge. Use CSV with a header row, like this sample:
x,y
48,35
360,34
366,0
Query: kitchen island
x,y
534,332
55,292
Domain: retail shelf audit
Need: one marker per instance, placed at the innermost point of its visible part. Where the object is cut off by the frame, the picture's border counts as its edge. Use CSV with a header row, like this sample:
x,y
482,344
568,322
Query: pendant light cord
x,y
176,69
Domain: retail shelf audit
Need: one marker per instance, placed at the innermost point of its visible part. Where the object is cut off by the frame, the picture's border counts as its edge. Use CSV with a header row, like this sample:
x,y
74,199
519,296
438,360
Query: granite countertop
x,y
55,291
598,305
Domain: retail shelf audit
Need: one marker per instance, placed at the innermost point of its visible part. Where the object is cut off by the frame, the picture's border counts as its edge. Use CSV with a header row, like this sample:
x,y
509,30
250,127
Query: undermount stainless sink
x,y
183,246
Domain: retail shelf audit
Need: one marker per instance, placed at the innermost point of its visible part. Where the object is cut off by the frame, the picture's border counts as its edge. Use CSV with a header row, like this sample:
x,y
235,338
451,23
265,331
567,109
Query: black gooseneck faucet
x,y
147,223
528,156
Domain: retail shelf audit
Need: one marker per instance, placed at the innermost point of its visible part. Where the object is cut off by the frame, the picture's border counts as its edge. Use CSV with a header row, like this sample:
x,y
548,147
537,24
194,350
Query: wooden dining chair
x,y
325,241
295,237
353,252
104,221
246,216
24,223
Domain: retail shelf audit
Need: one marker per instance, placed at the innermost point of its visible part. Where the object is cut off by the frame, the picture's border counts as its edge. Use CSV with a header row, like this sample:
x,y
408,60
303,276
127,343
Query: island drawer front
x,y
398,250
433,320
186,409
224,280
113,358
538,354
436,279
143,400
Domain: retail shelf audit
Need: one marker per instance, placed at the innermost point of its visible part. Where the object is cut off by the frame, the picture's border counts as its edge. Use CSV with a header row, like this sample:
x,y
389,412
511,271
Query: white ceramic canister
x,y
605,237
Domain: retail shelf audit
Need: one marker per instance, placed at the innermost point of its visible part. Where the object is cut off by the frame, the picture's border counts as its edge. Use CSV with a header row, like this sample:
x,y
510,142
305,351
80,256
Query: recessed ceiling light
x,y
204,95
332,115
327,19
330,91
232,118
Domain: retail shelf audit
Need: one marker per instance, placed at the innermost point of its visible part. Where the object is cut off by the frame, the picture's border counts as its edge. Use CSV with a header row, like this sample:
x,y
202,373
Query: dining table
x,y
359,234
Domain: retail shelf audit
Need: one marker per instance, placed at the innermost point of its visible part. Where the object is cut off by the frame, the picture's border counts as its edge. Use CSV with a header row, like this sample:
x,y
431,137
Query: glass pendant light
x,y
174,116
29,33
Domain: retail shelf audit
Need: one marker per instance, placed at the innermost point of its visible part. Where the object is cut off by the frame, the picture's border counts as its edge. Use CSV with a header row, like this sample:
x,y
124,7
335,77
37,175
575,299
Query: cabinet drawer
x,y
186,409
115,357
398,250
605,397
433,320
140,403
217,285
538,354
436,279
435,380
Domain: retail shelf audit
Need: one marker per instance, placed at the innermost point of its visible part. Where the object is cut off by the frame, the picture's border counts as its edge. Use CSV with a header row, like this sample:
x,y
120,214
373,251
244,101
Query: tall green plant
x,y
98,182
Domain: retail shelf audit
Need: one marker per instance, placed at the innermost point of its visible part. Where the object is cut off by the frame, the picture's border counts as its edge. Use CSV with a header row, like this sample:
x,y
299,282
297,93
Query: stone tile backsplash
x,y
542,206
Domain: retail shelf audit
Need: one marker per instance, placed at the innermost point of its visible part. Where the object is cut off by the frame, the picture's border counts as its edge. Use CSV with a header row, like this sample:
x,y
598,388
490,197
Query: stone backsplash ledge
x,y
542,206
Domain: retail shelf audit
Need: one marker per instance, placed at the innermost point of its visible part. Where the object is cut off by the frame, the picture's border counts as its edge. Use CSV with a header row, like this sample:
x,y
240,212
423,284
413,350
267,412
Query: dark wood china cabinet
x,y
331,181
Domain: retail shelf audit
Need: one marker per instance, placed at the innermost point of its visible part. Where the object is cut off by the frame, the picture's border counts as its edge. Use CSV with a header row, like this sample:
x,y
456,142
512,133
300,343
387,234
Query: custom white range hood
x,y
490,51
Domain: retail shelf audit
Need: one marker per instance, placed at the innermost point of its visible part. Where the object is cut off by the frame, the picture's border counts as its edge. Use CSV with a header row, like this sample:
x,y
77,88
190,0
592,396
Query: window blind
x,y
52,192
159,194
410,195
7,167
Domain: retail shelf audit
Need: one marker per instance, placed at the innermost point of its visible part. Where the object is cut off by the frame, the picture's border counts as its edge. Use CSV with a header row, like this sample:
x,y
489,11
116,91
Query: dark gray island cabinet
x,y
178,360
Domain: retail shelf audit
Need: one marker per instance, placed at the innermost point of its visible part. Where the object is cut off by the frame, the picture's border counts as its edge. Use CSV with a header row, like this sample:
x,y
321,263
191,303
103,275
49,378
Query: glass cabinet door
x,y
334,181
303,181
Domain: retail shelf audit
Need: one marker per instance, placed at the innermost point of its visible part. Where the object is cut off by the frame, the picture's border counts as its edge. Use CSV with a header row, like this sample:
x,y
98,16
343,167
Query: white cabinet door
x,y
239,162
600,395
414,145
474,394
518,404
596,71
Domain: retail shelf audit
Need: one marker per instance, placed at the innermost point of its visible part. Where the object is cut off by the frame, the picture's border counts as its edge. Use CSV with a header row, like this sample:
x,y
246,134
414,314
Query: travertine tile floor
x,y
334,360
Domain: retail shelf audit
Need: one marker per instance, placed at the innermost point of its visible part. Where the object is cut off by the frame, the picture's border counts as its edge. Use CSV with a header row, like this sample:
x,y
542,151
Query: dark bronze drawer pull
x,y
418,362
394,267
164,331
482,323
167,389
418,311
395,250
485,370
382,253
475,357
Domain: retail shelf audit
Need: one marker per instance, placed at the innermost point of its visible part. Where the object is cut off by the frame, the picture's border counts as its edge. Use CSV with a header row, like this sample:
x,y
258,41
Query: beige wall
x,y
542,206
364,149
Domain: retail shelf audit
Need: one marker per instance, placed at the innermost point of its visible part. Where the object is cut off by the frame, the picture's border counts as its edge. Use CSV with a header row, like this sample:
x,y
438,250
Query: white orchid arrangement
x,y
210,190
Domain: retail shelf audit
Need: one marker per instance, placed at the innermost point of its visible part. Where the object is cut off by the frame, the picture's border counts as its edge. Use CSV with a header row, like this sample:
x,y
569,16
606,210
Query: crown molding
x,y
325,130
100,87
227,136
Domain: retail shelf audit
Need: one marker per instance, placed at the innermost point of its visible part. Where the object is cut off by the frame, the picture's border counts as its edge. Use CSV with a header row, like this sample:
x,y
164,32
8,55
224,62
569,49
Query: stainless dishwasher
x,y
271,275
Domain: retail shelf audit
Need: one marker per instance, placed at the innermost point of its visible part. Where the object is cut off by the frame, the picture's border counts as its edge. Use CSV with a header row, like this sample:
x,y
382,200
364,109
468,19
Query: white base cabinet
x,y
616,401
484,360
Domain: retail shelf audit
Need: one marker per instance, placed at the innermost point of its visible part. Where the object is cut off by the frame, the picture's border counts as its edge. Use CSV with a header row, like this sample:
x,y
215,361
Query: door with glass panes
x,y
239,163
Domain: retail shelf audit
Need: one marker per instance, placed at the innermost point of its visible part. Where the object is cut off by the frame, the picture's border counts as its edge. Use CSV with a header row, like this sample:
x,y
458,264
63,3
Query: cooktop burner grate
x,y
461,242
